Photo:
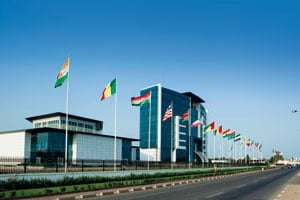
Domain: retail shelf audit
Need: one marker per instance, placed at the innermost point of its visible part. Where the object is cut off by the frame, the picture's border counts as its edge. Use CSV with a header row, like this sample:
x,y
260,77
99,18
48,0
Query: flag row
x,y
111,89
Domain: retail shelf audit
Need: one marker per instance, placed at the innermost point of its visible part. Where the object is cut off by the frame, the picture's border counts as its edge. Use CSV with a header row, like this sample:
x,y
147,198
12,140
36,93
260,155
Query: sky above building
x,y
240,56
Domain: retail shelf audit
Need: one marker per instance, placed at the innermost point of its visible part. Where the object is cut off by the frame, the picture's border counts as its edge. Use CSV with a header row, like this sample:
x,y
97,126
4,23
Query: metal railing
x,y
14,165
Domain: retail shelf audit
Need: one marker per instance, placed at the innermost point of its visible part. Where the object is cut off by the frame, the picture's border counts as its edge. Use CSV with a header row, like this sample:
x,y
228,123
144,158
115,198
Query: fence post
x,y
56,165
25,160
103,167
82,168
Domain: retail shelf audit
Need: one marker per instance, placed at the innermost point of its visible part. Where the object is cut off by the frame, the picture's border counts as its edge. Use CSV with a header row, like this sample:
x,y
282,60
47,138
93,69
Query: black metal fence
x,y
13,165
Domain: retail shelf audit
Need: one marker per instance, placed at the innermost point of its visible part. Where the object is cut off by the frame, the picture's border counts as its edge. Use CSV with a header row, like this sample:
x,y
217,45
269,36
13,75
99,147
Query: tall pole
x,y
171,135
189,131
115,140
246,154
214,147
149,138
222,151
67,120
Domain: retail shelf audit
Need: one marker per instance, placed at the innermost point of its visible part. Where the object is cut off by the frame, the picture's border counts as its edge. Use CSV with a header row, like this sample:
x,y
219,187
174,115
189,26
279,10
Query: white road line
x,y
240,186
214,195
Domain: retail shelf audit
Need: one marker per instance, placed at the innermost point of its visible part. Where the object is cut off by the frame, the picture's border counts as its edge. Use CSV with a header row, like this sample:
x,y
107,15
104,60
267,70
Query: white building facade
x,y
46,140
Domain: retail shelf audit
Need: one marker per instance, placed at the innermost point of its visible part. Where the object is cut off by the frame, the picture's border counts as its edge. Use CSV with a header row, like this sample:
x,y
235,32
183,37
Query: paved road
x,y
262,185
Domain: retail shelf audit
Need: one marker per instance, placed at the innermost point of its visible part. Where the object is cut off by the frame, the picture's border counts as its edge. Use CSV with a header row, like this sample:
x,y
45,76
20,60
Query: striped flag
x,y
196,123
185,116
219,130
141,100
109,90
168,113
63,73
209,127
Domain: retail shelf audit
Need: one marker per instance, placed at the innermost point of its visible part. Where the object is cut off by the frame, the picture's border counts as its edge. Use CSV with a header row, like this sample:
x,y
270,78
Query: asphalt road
x,y
262,185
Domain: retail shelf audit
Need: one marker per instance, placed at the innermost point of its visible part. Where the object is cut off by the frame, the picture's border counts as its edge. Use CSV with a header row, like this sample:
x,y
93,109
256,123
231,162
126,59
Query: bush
x,y
48,191
62,189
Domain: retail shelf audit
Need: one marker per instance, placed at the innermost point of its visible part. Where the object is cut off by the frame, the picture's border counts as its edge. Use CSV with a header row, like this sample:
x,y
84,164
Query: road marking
x,y
240,186
214,195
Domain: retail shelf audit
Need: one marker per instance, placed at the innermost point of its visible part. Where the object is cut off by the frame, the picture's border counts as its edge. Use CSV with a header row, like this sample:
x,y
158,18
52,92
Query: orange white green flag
x,y
63,73
109,90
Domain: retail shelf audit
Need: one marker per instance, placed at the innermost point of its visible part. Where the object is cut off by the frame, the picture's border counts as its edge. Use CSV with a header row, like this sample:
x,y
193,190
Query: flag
x,y
109,90
244,140
196,123
141,100
219,130
248,142
226,132
231,135
63,73
185,116
209,127
168,113
237,137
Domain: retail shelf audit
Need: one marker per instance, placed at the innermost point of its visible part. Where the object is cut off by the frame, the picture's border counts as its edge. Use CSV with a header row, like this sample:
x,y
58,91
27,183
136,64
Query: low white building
x,y
46,140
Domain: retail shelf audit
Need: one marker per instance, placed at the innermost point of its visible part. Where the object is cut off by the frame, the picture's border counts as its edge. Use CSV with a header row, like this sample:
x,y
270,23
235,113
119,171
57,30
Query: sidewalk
x,y
291,191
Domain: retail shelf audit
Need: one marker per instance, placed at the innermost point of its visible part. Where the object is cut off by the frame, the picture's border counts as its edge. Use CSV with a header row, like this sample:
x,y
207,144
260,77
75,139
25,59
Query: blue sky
x,y
240,56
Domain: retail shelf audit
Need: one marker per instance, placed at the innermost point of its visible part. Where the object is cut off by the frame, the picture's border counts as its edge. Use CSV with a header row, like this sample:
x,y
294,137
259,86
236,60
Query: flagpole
x,y
171,135
234,151
246,154
214,147
67,120
115,130
149,132
222,152
189,135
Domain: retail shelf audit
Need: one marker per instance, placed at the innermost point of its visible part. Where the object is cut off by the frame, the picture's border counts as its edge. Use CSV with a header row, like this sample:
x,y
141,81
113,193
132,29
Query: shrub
x,y
48,191
63,189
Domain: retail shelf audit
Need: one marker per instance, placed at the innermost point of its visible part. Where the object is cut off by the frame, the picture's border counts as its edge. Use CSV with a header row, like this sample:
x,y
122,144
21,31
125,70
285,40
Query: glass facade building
x,y
45,142
172,139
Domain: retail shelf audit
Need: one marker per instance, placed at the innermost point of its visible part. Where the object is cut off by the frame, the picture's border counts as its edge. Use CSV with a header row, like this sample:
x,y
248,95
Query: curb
x,y
131,189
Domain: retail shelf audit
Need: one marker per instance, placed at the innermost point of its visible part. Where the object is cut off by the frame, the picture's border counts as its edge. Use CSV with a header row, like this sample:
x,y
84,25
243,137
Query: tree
x,y
275,158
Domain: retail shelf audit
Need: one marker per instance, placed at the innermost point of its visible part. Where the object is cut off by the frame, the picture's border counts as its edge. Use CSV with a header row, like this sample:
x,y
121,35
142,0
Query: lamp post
x,y
295,111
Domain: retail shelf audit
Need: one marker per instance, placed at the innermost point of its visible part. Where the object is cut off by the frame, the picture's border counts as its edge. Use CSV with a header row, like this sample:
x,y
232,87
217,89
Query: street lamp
x,y
294,111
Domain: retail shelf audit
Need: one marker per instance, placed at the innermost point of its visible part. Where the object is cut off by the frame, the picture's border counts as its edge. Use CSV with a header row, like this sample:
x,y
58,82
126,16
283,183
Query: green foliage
x,y
274,159
62,189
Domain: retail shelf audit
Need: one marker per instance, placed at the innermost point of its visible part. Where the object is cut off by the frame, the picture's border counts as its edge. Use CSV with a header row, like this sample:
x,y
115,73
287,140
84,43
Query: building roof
x,y
12,131
47,129
61,114
194,97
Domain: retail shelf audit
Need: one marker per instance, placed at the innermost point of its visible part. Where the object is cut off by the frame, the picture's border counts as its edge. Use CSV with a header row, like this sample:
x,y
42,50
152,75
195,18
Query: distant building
x,y
46,140
172,139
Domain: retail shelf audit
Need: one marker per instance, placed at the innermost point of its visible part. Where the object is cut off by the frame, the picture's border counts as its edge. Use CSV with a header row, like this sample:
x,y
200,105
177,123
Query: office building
x,y
172,139
46,140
